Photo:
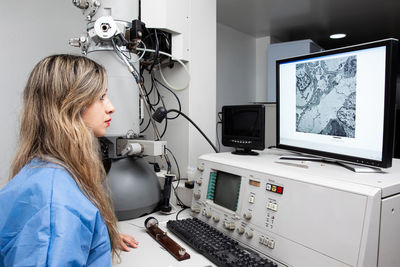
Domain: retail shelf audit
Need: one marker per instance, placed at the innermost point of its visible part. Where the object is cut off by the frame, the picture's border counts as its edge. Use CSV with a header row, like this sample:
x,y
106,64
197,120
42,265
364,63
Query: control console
x,y
322,215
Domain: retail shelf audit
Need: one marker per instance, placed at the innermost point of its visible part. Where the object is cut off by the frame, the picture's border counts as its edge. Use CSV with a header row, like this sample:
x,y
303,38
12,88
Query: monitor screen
x,y
339,103
243,126
227,188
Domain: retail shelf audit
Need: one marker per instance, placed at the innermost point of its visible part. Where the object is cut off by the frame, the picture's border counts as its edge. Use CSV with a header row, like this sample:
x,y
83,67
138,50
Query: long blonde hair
x,y
59,88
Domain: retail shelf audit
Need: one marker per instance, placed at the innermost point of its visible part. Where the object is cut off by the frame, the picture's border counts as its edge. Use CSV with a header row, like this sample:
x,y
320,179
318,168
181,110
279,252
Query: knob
x,y
208,214
229,225
240,231
199,182
247,215
226,224
197,195
216,218
249,234
196,209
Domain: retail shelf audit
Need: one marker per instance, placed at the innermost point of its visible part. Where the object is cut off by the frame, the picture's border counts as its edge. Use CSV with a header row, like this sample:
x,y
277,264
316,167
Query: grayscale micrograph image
x,y
326,97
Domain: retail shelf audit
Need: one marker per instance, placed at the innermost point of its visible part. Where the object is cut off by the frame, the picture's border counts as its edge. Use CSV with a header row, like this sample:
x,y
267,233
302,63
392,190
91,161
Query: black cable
x,y
151,89
145,128
219,114
159,98
177,166
158,91
151,38
140,10
218,143
165,129
176,97
157,51
180,202
180,212
197,127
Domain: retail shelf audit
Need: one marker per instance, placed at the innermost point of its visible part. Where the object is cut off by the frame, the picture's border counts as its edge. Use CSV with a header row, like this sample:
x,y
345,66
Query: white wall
x,y
241,69
31,30
202,94
261,90
236,68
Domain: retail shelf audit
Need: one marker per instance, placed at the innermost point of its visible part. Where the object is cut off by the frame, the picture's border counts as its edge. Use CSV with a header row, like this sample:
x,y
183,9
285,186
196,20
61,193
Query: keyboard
x,y
214,245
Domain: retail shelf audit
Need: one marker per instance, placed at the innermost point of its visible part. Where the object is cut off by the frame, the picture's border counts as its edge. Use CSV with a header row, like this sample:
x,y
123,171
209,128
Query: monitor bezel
x,y
257,143
389,104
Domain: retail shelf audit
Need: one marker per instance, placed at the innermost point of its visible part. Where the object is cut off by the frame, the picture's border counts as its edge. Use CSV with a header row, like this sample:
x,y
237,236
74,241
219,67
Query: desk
x,y
150,252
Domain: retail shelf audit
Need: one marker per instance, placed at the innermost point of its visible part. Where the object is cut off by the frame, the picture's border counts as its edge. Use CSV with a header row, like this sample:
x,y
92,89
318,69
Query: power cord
x,y
161,113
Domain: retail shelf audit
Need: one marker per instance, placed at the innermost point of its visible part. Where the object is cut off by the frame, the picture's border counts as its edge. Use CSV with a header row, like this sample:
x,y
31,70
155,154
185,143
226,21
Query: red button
x,y
279,189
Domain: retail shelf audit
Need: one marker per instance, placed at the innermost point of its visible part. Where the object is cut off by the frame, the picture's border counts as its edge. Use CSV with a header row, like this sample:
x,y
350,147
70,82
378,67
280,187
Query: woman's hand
x,y
128,241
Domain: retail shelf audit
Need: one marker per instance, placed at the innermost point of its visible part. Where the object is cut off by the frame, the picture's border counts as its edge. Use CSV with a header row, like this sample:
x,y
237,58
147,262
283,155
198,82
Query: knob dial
x,y
196,209
197,195
247,215
249,234
240,230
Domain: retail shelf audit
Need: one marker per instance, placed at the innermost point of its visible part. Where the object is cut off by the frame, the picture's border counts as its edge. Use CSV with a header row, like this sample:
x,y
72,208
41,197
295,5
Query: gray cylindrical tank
x,y
135,188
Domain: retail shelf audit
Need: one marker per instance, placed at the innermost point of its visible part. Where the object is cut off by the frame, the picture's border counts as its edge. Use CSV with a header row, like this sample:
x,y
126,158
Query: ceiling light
x,y
337,36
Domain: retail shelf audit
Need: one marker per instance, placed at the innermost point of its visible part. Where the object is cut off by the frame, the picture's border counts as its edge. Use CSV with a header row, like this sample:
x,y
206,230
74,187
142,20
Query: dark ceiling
x,y
289,20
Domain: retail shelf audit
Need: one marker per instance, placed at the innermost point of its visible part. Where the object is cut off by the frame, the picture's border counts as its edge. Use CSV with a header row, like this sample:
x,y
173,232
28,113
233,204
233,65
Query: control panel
x,y
294,216
246,209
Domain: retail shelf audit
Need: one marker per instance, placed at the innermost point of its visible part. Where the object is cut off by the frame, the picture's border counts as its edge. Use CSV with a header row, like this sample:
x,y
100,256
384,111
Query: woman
x,y
54,211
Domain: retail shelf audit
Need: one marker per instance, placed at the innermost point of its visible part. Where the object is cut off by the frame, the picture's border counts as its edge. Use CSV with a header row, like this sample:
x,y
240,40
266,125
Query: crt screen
x,y
227,188
242,123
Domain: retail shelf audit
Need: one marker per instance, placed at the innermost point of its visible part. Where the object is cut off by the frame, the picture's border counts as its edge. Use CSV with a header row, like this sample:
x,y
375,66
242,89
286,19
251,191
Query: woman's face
x,y
97,116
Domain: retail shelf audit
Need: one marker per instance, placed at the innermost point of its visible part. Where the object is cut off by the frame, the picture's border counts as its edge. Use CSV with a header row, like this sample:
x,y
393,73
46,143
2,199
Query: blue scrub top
x,y
46,220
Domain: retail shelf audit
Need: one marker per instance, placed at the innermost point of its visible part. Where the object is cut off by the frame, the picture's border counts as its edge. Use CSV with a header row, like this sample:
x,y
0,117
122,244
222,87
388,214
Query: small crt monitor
x,y
243,128
226,190
339,104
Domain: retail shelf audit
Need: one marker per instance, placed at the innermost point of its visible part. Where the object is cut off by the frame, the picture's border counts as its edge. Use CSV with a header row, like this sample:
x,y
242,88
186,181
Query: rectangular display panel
x,y
340,103
227,187
243,127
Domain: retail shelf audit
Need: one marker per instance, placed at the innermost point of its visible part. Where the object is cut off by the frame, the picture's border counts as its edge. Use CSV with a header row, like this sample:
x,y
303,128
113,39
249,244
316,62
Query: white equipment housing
x,y
106,18
323,215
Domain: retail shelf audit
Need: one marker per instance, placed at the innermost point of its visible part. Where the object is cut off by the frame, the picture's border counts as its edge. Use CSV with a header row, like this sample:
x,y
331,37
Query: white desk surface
x,y
150,252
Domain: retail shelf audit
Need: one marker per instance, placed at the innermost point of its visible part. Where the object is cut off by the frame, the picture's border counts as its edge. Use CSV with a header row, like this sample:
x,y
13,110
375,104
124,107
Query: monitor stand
x,y
359,168
245,151
350,166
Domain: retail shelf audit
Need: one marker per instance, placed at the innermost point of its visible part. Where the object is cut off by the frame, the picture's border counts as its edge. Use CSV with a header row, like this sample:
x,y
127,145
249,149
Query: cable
x,y
158,40
177,167
180,212
171,86
162,76
218,143
156,51
142,55
142,93
180,202
140,10
165,129
145,128
216,128
176,97
197,127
